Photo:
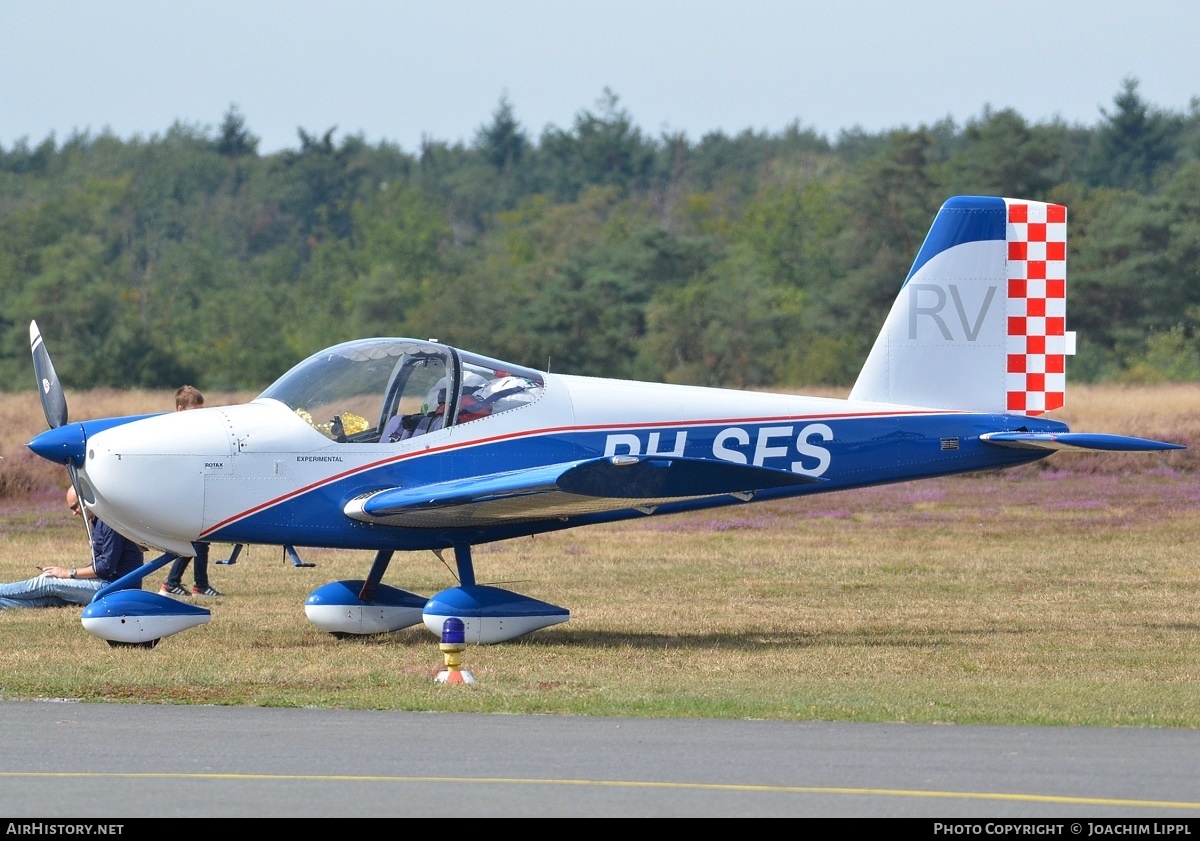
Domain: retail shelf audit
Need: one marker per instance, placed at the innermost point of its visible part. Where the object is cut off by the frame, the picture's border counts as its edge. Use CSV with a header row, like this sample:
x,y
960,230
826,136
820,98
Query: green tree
x,y
732,327
1134,141
603,149
1002,155
236,141
323,181
400,244
1136,270
503,143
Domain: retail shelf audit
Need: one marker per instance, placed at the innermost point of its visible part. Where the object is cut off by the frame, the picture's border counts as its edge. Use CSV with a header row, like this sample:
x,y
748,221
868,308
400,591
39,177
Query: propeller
x,y
50,390
54,404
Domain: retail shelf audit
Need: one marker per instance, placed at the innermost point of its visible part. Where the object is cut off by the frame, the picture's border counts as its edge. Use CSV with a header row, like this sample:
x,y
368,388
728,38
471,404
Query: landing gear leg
x,y
382,558
290,551
466,569
462,560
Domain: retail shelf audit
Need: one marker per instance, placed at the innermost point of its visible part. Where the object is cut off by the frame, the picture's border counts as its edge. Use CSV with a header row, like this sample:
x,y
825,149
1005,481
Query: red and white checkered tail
x,y
1037,339
980,322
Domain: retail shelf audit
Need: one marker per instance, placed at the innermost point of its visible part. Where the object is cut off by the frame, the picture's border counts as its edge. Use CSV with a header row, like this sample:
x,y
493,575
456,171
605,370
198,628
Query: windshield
x,y
392,389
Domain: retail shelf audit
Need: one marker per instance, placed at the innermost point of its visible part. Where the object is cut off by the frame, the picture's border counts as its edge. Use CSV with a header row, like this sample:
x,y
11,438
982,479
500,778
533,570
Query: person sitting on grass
x,y
115,554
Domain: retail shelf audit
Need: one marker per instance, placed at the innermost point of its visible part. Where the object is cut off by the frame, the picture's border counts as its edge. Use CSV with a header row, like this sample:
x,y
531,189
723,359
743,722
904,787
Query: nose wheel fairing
x,y
138,617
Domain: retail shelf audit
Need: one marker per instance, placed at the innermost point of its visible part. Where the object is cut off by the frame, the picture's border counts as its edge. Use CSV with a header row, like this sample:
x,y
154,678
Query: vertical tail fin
x,y
980,322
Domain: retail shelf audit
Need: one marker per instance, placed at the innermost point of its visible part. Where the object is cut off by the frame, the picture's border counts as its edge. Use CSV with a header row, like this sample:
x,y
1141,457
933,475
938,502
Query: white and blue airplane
x,y
394,444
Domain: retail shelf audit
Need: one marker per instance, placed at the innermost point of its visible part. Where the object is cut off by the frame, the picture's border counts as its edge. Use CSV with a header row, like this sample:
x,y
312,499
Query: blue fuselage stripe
x,y
843,451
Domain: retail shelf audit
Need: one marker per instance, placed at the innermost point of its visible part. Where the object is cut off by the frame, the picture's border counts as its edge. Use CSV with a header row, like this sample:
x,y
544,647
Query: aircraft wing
x,y
563,490
1076,441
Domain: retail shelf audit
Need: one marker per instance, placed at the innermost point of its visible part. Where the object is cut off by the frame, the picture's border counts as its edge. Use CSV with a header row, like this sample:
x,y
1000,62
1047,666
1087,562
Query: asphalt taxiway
x,y
96,761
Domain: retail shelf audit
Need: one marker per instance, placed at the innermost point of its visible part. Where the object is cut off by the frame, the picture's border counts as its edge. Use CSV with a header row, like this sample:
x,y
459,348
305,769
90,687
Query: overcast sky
x,y
400,71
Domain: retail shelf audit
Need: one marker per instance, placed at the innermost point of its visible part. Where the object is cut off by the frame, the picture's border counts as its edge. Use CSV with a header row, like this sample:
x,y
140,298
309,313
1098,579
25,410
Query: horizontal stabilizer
x,y
563,490
1077,441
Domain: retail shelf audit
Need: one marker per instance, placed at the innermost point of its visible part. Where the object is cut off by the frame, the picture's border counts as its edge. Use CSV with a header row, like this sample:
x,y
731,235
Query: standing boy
x,y
189,398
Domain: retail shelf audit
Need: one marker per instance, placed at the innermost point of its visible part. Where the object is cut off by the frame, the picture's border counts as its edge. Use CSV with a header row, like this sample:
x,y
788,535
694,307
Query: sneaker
x,y
170,589
205,591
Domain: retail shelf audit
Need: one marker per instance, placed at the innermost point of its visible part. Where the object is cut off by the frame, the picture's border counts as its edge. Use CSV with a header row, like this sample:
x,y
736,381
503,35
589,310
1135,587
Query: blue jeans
x,y
200,570
49,592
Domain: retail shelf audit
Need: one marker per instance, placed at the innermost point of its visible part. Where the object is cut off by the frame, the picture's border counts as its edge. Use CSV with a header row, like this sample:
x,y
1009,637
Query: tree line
x,y
749,260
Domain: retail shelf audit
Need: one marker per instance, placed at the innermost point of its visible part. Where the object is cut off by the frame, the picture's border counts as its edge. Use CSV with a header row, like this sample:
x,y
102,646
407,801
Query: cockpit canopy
x,y
383,390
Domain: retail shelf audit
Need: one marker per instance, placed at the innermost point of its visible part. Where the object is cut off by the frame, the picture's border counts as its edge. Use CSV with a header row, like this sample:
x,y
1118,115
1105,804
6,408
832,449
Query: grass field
x,y
1061,593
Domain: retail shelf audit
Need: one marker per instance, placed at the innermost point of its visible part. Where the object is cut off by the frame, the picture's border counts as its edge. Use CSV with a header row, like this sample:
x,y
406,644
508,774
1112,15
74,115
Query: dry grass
x,y
24,475
1063,594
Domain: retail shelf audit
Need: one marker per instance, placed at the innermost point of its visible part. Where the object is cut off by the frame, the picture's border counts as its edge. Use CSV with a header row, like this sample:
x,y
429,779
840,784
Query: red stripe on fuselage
x,y
556,430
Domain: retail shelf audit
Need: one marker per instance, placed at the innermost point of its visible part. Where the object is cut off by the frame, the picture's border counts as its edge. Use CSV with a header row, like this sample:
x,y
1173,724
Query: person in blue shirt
x,y
115,555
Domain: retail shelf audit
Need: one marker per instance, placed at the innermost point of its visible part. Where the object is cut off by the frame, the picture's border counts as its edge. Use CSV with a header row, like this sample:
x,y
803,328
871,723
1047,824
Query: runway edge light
x,y
452,645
